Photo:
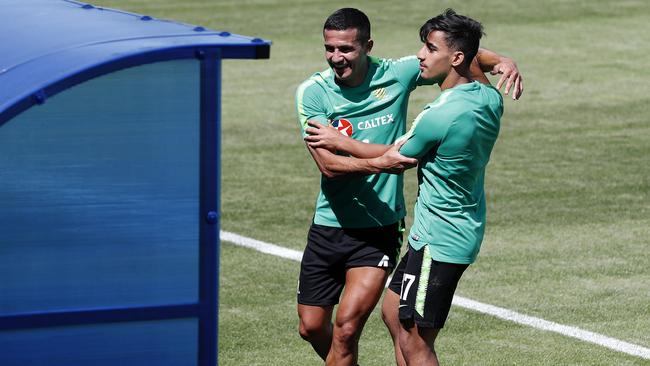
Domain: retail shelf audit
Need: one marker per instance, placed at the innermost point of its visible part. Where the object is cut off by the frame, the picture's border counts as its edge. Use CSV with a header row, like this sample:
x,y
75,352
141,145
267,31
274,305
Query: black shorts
x,y
331,251
426,288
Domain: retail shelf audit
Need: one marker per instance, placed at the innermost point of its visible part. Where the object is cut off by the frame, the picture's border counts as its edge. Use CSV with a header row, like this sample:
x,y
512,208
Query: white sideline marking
x,y
587,336
501,313
261,246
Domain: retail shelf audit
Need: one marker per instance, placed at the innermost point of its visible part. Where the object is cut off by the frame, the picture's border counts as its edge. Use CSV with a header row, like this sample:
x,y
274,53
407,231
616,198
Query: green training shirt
x,y
453,138
372,112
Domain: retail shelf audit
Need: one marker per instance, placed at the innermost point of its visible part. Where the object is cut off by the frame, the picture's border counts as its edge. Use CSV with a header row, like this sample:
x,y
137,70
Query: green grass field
x,y
568,185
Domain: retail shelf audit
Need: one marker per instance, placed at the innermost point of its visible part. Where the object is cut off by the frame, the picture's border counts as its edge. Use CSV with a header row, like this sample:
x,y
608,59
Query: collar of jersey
x,y
372,67
442,98
472,85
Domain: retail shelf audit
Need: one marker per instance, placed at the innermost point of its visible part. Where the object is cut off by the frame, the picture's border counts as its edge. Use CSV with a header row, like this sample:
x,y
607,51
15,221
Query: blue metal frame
x,y
260,50
210,205
97,316
206,310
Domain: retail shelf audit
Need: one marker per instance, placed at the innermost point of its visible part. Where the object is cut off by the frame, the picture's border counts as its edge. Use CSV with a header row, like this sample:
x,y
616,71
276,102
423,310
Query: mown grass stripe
x,y
501,313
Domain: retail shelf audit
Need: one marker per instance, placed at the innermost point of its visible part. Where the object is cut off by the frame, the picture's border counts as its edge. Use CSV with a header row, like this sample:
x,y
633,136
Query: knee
x,y
389,309
347,331
310,329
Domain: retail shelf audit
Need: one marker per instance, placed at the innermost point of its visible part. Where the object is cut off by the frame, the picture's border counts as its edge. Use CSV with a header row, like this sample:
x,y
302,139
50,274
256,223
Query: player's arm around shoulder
x,y
494,63
407,71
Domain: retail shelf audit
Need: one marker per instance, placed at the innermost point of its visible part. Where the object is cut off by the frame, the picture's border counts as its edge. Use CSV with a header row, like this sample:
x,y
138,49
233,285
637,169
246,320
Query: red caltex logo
x,y
344,126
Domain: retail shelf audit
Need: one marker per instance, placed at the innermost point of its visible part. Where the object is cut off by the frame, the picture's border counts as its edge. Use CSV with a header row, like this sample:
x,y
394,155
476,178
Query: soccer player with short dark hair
x,y
452,139
356,234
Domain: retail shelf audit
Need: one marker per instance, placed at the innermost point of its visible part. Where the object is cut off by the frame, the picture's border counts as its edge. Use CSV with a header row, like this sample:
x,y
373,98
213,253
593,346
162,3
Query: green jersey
x,y
373,112
453,138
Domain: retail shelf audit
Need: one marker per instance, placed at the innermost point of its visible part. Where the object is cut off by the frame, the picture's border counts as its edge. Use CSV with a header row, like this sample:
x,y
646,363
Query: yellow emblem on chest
x,y
379,93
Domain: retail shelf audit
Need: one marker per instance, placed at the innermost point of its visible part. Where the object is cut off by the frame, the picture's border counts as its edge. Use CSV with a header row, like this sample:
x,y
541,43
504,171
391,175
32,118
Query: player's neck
x,y
456,77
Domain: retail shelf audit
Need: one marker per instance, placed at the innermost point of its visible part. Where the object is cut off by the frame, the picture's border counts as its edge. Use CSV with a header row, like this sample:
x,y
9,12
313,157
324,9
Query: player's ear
x,y
369,45
457,58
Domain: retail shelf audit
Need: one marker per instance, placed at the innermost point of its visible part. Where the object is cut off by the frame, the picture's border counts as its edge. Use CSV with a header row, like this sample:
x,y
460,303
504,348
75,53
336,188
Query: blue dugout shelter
x,y
109,185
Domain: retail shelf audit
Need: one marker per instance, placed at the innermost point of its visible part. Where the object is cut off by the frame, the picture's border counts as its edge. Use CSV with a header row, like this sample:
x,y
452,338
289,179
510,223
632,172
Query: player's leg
x,y
389,314
417,345
316,327
320,285
363,288
427,292
368,268
389,309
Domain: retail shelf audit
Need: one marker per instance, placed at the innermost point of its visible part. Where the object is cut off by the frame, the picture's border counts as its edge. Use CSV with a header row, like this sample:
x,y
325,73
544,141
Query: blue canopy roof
x,y
49,45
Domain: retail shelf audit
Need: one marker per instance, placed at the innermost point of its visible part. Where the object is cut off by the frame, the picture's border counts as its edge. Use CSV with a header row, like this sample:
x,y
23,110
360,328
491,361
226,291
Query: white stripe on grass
x,y
501,313
611,343
261,246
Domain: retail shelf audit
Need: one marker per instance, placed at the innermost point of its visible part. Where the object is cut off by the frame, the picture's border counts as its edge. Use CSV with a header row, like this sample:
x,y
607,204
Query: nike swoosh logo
x,y
342,106
403,305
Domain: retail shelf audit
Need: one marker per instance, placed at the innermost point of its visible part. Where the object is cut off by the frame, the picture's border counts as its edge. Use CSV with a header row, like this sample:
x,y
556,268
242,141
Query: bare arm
x,y
331,139
477,73
393,161
488,61
334,166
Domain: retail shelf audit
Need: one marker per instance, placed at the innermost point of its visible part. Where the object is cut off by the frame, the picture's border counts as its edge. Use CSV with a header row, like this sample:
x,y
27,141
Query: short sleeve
x,y
426,132
407,71
309,104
